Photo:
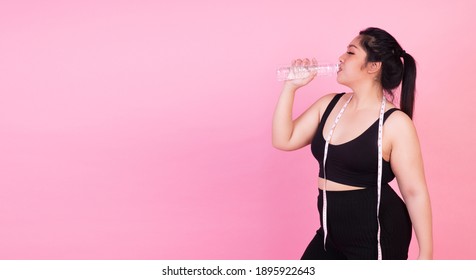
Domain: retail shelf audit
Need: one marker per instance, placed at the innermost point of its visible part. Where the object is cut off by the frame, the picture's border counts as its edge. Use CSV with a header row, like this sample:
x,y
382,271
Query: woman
x,y
362,142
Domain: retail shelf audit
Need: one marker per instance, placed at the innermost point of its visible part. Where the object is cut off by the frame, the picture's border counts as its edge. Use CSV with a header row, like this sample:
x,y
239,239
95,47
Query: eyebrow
x,y
349,46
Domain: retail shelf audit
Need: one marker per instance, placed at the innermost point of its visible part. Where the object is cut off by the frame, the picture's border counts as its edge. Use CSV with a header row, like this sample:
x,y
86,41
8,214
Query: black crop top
x,y
353,163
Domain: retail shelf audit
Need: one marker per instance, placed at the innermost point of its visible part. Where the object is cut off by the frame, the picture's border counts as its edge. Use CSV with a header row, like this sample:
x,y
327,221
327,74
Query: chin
x,y
341,81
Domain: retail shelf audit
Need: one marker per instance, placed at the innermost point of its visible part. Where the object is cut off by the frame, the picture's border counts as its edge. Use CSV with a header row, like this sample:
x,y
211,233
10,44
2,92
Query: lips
x,y
340,68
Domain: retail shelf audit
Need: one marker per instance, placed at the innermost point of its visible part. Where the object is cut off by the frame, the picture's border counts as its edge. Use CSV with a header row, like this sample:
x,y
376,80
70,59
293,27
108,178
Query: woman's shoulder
x,y
325,100
399,124
321,103
331,96
398,117
320,106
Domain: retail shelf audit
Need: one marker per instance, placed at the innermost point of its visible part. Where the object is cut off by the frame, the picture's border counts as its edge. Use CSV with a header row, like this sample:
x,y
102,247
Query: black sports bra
x,y
353,163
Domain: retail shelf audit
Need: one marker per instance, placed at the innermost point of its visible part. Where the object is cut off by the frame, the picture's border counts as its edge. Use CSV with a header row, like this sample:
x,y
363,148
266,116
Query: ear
x,y
373,67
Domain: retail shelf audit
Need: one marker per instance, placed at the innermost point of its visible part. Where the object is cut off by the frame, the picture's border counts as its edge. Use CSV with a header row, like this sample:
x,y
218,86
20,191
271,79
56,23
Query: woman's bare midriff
x,y
333,186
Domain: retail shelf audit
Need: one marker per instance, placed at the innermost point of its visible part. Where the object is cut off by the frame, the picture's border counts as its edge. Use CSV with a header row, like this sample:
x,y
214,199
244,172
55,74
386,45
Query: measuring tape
x,y
379,174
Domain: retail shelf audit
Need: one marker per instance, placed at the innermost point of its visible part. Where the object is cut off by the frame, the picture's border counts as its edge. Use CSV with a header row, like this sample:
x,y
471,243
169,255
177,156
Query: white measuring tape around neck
x,y
379,174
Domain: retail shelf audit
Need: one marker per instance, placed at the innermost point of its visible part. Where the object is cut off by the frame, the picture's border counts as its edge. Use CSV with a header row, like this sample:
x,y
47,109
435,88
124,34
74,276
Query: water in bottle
x,y
300,72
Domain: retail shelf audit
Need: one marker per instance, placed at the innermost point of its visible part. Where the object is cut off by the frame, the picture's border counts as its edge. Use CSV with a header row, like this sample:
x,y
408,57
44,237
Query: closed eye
x,y
350,53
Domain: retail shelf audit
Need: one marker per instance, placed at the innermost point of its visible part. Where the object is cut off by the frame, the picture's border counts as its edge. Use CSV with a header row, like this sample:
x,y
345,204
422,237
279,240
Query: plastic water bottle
x,y
300,72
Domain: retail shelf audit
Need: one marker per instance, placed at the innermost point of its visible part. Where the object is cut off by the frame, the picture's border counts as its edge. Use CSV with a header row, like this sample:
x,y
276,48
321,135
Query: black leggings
x,y
352,226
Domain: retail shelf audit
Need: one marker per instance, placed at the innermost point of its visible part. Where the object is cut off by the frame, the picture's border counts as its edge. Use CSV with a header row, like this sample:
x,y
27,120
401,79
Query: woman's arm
x,y
407,164
289,134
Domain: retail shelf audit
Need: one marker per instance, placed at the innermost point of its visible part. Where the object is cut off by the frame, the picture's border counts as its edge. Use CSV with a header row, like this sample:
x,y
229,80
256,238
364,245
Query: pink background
x,y
141,129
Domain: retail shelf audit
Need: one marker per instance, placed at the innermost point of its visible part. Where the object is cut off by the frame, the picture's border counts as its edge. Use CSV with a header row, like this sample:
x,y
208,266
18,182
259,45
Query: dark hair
x,y
380,46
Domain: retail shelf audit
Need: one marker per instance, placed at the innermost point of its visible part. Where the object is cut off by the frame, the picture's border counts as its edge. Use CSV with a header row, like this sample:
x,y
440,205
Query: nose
x,y
341,58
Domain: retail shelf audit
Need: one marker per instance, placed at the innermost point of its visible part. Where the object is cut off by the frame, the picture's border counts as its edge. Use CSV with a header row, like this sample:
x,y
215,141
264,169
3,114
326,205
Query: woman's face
x,y
352,64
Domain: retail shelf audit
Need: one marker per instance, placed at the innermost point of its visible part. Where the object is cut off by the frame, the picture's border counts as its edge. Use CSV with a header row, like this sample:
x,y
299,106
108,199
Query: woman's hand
x,y
298,65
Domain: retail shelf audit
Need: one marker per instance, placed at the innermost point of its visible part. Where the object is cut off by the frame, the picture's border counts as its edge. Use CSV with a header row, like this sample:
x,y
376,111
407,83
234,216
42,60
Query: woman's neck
x,y
366,96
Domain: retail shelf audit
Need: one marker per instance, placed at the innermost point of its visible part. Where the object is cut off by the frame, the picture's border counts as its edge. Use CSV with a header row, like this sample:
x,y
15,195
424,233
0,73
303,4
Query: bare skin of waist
x,y
333,186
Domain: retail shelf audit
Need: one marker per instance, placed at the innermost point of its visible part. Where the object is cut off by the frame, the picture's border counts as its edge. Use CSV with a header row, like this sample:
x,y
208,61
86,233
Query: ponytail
x,y
407,99
380,46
